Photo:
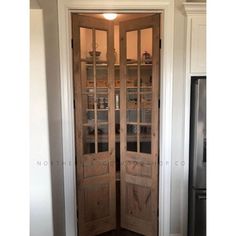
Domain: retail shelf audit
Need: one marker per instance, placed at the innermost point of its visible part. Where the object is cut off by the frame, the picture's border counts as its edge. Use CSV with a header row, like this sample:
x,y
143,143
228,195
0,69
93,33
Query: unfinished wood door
x,y
139,76
93,74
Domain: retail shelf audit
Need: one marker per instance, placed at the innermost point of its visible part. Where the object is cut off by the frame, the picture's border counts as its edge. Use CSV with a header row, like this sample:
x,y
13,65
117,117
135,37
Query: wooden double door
x,y
104,87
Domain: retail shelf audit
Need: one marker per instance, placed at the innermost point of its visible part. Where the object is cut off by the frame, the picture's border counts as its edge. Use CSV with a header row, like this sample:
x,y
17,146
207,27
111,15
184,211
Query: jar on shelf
x,y
115,57
106,103
117,101
90,102
146,58
101,103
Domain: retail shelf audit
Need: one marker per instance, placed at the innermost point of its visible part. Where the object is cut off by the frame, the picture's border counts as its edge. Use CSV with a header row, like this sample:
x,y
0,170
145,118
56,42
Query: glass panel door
x,y
139,123
93,71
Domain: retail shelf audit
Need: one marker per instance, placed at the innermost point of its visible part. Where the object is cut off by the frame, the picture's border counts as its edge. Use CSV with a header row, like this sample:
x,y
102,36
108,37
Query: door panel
x,y
94,123
139,78
200,217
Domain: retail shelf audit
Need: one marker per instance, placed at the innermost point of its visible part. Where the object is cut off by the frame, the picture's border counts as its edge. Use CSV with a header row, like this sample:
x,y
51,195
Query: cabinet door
x,y
93,72
139,76
198,44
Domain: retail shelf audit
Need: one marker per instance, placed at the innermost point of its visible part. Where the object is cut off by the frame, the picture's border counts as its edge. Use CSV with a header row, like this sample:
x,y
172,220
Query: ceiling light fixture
x,y
110,16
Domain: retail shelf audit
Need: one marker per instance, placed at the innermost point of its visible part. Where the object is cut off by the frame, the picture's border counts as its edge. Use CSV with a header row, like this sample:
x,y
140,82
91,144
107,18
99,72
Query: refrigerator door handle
x,y
201,197
204,150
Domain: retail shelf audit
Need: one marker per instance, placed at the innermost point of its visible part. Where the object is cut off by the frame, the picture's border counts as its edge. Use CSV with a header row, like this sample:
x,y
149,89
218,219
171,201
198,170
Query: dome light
x,y
110,16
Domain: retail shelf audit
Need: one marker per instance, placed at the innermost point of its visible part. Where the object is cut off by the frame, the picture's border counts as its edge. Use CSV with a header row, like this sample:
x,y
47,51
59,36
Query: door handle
x,y
201,197
204,150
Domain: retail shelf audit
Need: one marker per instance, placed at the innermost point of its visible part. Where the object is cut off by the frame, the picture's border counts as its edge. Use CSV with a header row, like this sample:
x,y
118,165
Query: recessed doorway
x,y
116,74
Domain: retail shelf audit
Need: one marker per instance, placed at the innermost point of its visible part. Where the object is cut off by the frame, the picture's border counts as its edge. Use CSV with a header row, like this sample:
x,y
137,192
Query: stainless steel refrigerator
x,y
197,159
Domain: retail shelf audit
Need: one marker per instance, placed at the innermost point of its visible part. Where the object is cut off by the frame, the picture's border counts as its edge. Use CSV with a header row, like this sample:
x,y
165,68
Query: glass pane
x,y
146,116
132,90
146,100
132,77
132,138
87,75
146,76
102,101
101,46
132,49
117,76
90,101
146,45
145,139
89,118
88,140
131,130
87,108
102,116
132,100
101,76
146,90
103,138
131,115
86,44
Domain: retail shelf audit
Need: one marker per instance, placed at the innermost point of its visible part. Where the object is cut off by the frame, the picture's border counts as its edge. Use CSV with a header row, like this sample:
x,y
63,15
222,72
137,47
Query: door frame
x,y
65,8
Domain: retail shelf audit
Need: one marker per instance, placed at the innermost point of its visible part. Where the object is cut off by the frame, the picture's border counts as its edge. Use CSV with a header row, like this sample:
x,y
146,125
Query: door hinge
x,y
72,43
160,44
74,103
159,103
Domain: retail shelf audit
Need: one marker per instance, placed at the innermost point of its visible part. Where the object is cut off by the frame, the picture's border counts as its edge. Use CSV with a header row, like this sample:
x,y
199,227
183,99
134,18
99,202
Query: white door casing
x,y
195,12
166,7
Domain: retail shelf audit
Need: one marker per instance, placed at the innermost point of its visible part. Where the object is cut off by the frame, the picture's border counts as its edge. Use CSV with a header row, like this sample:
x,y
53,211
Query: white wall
x,y
50,19
41,219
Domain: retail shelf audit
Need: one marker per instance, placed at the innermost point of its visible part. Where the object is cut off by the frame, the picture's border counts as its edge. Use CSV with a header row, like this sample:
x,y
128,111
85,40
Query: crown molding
x,y
194,8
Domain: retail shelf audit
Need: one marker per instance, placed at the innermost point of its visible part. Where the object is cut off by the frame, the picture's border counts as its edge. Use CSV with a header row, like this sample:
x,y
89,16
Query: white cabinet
x,y
196,38
198,44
